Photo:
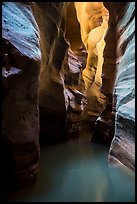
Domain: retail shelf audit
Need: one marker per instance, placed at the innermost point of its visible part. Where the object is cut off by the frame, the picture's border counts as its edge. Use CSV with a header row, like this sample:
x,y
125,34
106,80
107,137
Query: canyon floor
x,y
77,171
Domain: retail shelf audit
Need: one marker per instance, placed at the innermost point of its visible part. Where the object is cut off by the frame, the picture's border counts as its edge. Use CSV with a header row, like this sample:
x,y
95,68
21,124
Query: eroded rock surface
x,y
117,121
93,19
21,55
50,17
75,95
122,148
42,78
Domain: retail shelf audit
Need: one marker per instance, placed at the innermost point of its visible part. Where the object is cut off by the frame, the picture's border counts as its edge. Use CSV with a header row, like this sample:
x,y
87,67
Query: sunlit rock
x,y
50,17
54,63
75,95
93,19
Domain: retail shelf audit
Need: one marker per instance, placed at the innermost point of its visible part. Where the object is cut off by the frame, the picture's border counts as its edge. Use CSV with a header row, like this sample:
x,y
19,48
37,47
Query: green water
x,y
77,171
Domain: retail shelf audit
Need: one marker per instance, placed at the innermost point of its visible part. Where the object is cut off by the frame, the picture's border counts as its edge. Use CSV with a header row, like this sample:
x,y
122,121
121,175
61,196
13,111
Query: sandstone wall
x,y
42,66
50,17
93,19
21,55
118,85
122,148
75,93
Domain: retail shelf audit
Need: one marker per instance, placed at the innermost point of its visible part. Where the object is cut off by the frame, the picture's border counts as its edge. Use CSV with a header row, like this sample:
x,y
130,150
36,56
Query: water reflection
x,y
78,171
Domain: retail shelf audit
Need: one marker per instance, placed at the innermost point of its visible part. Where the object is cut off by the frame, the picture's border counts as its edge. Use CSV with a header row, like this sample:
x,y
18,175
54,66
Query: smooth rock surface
x,y
21,55
93,19
122,149
50,18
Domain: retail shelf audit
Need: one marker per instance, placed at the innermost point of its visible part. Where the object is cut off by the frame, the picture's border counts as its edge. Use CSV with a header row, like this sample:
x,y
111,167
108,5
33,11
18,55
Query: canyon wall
x,y
93,20
51,80
39,97
21,56
122,150
115,125
51,19
75,93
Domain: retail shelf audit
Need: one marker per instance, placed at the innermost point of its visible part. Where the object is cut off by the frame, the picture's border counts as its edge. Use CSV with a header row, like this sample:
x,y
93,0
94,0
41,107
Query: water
x,y
77,171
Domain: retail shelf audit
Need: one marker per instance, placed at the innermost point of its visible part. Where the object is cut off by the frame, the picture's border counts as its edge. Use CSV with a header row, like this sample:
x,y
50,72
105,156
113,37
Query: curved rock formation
x,y
122,148
50,18
21,55
75,94
44,62
117,121
93,19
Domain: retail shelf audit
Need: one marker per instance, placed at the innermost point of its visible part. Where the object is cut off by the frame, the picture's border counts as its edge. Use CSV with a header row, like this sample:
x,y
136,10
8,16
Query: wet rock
x,y
103,131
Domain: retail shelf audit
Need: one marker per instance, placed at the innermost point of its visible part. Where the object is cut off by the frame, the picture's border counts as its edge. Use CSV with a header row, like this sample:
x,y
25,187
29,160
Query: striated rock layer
x,y
21,55
93,19
43,59
118,84
122,148
75,93
104,125
75,96
116,124
50,17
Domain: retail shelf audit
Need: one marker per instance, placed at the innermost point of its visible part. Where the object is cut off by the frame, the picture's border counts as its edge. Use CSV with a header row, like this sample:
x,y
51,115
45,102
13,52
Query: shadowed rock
x,y
19,144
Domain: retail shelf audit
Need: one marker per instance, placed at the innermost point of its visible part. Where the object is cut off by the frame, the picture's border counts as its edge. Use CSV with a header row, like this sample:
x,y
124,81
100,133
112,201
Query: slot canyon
x,y
68,102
